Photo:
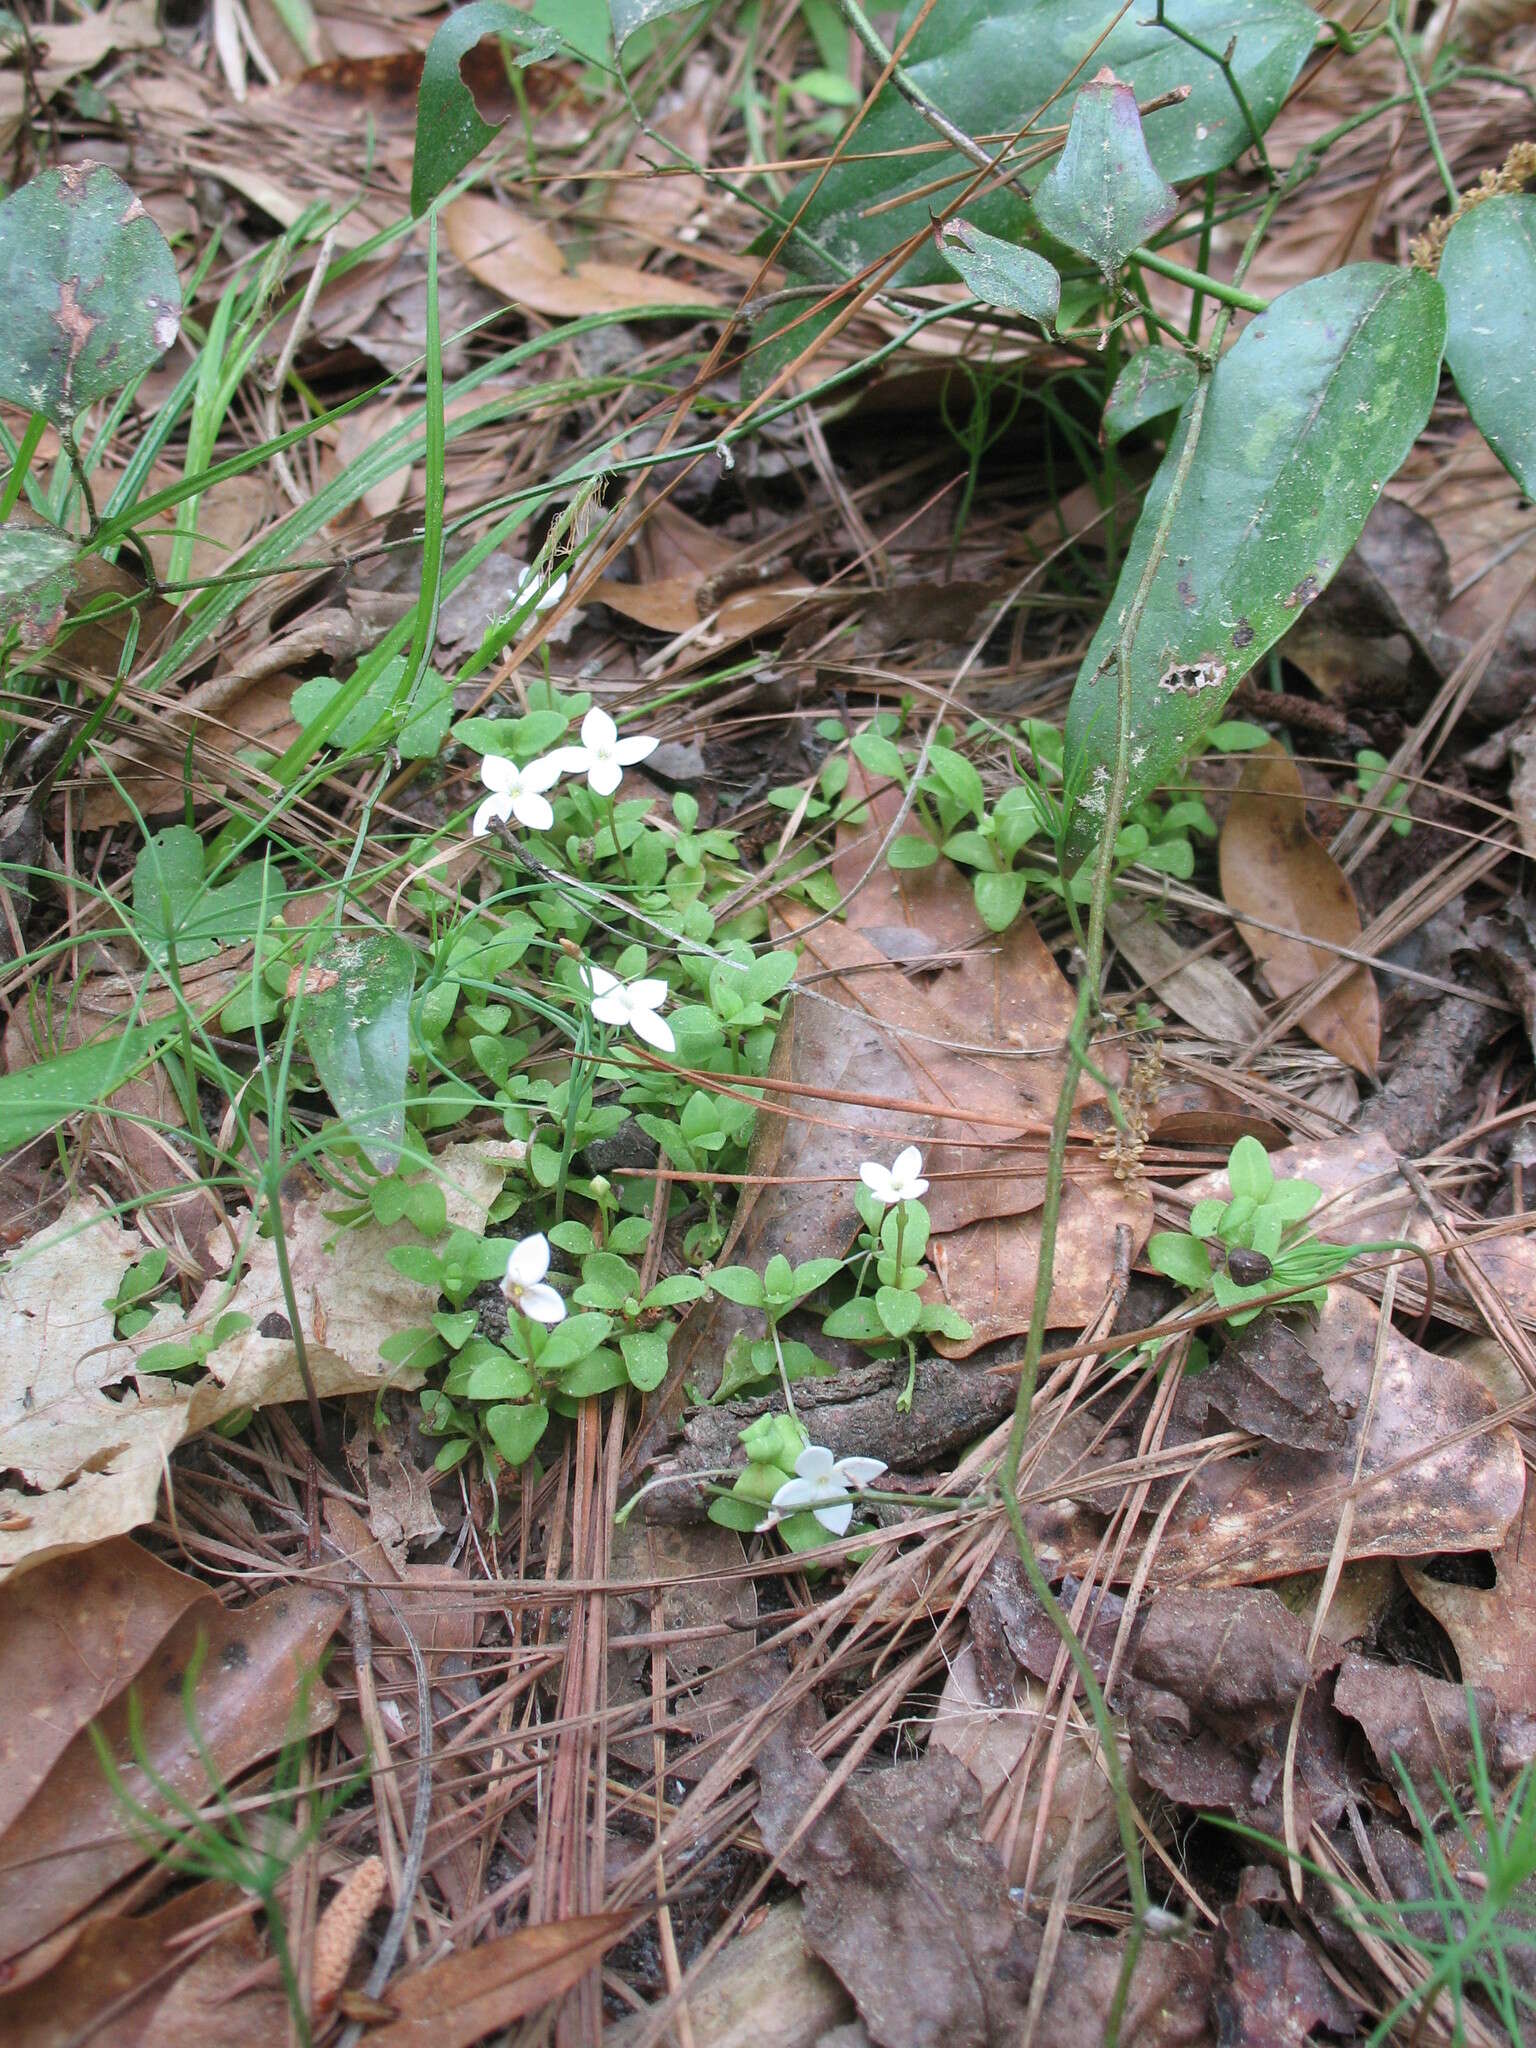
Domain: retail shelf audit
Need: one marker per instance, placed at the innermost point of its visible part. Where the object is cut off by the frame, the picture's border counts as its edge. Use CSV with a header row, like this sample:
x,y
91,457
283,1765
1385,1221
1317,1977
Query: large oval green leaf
x,y
1307,416
1488,270
989,63
89,287
356,1022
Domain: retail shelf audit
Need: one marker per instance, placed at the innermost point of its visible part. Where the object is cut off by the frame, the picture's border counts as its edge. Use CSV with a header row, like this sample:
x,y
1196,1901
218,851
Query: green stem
x,y
1200,281
23,462
1223,64
1399,42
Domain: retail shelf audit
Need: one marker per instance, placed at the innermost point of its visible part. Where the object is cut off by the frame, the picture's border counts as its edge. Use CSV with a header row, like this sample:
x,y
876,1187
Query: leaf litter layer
x,y
658,1777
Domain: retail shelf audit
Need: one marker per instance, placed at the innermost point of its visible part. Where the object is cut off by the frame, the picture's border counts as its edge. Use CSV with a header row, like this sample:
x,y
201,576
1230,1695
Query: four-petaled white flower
x,y
822,1484
548,599
602,756
902,1181
524,1284
636,1004
516,793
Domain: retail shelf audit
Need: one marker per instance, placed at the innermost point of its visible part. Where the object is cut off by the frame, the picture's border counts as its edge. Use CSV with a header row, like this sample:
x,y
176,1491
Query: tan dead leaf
x,y
990,1737
766,1968
72,1635
465,1997
89,1438
70,1842
1272,867
1194,986
691,1582
521,260
400,1510
986,1270
1492,1627
62,1988
1454,1479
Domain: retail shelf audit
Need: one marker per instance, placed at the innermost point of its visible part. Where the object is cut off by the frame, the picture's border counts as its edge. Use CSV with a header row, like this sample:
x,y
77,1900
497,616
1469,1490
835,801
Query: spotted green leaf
x,y
1103,195
1002,273
89,287
450,131
1156,381
1488,270
36,576
355,1008
1307,416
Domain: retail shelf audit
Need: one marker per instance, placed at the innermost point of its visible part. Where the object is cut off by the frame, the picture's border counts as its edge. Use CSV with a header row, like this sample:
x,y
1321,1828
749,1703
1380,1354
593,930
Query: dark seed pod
x,y
1247,1268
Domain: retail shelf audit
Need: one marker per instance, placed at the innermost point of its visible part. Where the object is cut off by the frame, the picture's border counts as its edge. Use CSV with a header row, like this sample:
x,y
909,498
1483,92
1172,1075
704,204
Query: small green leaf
x,y
738,1285
897,1309
858,1319
416,729
1205,1216
676,1289
571,1340
515,1430
1001,273
1103,196
778,1279
354,1013
174,909
645,1357
1155,382
1293,1199
1249,1172
910,850
1309,413
1488,269
90,291
999,899
449,131
498,1377
1179,1258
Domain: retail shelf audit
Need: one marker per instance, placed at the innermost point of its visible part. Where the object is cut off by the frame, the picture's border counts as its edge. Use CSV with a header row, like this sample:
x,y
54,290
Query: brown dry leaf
x,y
911,1909
1456,1482
691,1583
1195,987
1422,1722
70,1842
465,1997
1267,1381
690,579
764,1990
1272,867
520,259
1270,1990
72,1635
990,1737
89,1439
1493,1628
99,1964
67,49
986,1270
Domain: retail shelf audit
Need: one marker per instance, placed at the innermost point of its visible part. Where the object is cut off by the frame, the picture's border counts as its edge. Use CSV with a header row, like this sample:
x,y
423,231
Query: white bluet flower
x,y
822,1484
602,756
548,599
516,793
902,1181
632,1004
524,1283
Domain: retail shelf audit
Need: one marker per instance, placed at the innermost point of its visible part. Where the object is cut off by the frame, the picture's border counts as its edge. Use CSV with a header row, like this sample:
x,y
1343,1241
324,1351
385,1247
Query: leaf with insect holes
x,y
1103,196
450,132
1001,273
36,576
1155,382
90,291
632,15
1307,416
355,1013
1488,269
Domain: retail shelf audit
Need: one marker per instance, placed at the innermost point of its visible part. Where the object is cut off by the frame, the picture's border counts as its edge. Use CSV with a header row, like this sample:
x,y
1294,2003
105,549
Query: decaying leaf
x,y
1423,1723
70,1842
1272,867
521,260
465,1997
1437,1474
1492,1627
89,1437
1272,1992
1195,987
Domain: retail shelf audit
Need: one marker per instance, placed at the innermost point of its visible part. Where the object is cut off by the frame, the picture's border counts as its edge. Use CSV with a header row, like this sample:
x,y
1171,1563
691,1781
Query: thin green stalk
x,y
22,464
1223,63
1399,42
1200,281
